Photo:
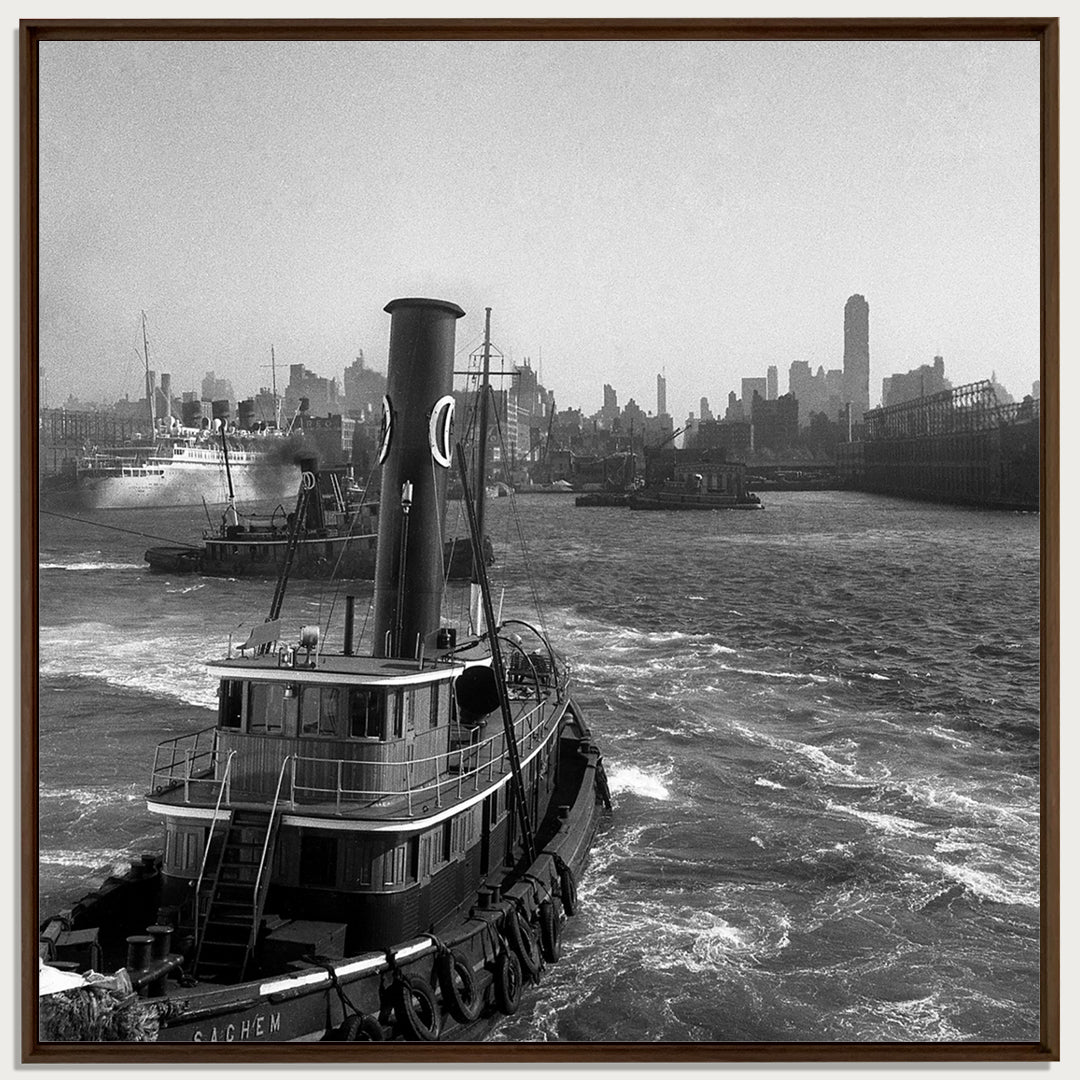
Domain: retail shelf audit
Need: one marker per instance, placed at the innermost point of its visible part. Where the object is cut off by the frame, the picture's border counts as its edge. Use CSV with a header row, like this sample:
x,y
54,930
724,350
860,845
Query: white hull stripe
x,y
369,963
305,676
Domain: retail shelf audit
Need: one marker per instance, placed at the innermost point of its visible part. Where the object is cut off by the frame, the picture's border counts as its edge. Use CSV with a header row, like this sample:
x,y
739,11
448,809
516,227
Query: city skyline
x,y
698,208
824,392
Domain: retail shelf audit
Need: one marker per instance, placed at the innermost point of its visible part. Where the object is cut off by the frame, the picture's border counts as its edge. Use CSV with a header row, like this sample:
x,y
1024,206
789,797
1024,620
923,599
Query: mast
x,y
273,385
481,461
476,607
149,381
230,517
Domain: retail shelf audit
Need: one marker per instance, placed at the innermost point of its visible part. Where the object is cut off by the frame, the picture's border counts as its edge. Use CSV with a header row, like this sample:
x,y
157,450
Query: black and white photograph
x,y
539,540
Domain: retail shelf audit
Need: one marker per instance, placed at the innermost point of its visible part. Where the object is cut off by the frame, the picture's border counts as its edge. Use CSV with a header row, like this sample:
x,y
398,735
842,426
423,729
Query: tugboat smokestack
x,y
415,457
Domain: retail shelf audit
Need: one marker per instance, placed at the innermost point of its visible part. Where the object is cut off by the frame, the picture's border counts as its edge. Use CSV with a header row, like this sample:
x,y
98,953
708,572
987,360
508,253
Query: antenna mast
x,y
273,385
477,610
149,381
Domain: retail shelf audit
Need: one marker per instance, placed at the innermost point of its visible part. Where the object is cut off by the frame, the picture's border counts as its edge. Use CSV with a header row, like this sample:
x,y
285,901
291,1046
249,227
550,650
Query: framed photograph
x,y
539,540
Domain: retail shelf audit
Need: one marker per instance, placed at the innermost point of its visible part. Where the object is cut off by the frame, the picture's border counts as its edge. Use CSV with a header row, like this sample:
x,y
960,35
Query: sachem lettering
x,y
255,1027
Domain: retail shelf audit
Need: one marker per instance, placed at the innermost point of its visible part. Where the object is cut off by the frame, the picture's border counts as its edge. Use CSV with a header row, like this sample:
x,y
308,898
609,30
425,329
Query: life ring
x,y
415,1008
360,1028
508,983
568,888
550,931
523,941
458,987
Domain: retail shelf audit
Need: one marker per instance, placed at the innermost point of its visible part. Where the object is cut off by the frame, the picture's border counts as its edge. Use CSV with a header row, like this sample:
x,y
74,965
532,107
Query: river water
x,y
820,724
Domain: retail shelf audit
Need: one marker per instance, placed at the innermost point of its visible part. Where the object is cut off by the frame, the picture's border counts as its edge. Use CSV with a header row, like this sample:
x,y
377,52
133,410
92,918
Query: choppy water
x,y
820,724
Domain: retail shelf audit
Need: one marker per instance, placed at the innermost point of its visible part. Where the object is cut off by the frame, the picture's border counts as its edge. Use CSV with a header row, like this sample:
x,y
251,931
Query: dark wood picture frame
x,y
1043,30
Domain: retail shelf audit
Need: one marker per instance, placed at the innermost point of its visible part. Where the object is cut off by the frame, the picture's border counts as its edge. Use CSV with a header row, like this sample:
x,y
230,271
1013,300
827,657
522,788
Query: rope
x,y
346,1002
118,528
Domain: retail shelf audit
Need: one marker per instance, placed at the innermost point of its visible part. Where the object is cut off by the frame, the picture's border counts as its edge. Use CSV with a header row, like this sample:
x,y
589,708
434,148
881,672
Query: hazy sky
x,y
699,208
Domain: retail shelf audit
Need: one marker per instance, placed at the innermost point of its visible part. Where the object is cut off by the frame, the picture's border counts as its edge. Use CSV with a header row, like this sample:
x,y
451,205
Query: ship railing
x,y
224,791
455,772
186,760
270,829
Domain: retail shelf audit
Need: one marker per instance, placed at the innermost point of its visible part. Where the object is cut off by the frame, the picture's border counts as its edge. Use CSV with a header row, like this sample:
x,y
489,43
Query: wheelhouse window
x,y
321,712
367,713
436,695
266,708
230,703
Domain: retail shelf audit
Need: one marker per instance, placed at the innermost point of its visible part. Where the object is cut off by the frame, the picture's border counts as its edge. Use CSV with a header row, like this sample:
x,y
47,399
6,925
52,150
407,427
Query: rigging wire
x,y
341,555
516,515
118,528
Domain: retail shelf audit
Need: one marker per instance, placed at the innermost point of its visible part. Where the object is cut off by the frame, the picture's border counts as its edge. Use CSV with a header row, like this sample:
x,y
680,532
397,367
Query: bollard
x,y
138,957
161,940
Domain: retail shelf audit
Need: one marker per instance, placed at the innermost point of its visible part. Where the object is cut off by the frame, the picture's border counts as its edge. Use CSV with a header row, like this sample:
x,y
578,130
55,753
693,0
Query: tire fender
x,y
463,1001
523,941
359,1028
568,888
550,931
508,983
415,1008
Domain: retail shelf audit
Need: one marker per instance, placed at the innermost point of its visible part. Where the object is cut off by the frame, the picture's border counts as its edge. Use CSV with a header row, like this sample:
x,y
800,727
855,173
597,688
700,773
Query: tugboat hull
x,y
416,990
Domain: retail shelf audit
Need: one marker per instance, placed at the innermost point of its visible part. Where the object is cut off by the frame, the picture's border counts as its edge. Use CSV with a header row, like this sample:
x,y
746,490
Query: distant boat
x,y
698,483
330,533
171,465
182,469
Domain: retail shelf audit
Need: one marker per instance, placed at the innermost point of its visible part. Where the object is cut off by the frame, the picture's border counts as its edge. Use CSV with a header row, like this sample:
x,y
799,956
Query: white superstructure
x,y
183,470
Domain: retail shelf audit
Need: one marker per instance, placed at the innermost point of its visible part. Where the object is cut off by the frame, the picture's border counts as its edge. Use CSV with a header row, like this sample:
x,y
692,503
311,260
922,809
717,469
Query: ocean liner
x,y
362,847
181,468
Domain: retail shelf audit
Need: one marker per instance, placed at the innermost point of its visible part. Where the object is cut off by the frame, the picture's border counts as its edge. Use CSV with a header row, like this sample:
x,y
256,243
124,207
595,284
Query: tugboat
x,y
694,481
363,847
330,533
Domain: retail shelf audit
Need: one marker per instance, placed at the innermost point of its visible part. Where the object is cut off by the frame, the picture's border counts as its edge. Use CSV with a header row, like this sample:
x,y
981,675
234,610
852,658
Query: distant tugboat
x,y
362,847
330,533
697,483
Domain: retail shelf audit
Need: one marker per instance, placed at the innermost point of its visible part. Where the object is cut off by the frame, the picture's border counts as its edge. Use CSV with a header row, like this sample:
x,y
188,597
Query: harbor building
x,y
775,423
364,389
661,395
923,381
961,445
322,394
772,377
817,392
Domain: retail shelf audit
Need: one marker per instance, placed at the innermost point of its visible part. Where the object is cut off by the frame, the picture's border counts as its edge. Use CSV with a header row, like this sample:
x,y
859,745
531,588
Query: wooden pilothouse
x,y
363,846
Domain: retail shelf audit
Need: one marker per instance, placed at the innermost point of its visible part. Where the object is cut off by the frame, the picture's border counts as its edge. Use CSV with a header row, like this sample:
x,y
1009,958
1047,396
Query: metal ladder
x,y
237,895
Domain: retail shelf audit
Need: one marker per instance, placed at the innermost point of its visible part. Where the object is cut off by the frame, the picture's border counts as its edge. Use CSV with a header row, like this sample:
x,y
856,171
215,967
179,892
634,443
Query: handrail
x,y
183,751
475,749
213,826
270,826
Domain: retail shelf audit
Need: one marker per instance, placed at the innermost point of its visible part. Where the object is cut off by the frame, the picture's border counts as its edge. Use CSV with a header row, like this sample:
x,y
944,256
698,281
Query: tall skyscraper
x,y
857,356
661,395
610,411
751,387
772,377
